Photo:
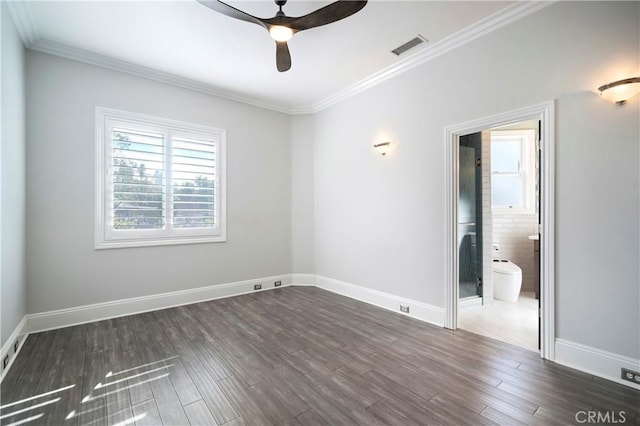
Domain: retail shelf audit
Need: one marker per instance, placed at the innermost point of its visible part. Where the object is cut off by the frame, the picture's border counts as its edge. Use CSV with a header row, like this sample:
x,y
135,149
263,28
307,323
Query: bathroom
x,y
497,233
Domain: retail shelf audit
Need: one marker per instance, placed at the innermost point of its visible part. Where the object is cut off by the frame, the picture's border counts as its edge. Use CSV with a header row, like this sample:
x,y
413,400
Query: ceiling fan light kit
x,y
282,27
280,33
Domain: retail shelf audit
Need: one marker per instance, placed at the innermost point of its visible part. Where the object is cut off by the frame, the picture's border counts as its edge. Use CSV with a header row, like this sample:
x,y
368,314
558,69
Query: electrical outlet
x,y
277,284
15,346
631,376
257,286
404,309
5,362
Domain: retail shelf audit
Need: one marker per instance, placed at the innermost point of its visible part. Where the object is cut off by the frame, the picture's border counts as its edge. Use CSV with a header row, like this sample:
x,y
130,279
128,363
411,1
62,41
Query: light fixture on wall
x,y
383,147
620,91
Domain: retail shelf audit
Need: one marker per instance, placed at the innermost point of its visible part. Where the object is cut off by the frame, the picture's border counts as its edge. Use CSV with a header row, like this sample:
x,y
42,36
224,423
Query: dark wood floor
x,y
291,356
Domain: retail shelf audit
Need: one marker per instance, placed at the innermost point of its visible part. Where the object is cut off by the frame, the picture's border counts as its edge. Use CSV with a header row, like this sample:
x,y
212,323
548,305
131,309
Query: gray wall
x,y
64,269
302,193
379,221
12,167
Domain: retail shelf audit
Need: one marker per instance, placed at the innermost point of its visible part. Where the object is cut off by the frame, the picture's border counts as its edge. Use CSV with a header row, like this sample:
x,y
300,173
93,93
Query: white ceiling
x,y
189,41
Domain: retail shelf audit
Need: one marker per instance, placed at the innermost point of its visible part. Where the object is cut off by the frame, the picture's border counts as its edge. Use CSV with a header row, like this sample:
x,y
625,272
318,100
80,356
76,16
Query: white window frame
x,y
106,237
527,164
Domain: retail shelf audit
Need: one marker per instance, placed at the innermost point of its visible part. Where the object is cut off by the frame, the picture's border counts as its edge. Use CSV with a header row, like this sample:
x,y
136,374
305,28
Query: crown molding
x,y
23,19
91,58
22,16
27,28
512,13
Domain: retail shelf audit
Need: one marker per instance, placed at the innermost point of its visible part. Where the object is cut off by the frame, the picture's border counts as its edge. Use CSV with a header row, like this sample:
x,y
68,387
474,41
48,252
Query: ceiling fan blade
x,y
231,11
283,57
326,15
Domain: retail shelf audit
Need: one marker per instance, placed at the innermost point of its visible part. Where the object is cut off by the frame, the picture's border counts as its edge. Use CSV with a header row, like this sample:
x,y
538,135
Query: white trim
x,y
31,38
302,280
24,21
595,361
451,191
584,358
546,111
20,333
100,311
418,310
91,58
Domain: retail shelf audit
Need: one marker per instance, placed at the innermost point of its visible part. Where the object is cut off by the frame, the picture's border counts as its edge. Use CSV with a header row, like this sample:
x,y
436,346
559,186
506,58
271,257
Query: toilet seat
x,y
506,267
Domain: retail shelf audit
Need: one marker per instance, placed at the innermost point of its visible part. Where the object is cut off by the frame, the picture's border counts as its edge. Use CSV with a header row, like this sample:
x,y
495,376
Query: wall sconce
x,y
620,91
383,147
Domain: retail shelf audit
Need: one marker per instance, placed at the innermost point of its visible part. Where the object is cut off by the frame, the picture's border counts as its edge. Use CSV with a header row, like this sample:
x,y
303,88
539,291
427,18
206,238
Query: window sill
x,y
115,244
515,212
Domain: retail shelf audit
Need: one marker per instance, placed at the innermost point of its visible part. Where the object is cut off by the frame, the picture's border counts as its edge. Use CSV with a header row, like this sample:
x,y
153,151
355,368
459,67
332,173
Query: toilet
x,y
507,280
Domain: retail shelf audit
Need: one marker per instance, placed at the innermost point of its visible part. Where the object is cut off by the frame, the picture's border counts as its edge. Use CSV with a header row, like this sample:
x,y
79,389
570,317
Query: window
x,y
158,181
513,171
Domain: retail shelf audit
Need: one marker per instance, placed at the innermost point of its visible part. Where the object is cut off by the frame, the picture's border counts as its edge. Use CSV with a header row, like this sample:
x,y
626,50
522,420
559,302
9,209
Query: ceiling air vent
x,y
409,45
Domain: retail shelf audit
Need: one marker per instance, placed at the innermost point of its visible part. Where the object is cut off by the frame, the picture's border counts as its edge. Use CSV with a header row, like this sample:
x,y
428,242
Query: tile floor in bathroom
x,y
511,322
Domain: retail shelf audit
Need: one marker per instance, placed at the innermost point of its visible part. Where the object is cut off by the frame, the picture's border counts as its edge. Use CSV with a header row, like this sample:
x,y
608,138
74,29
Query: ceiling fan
x,y
282,27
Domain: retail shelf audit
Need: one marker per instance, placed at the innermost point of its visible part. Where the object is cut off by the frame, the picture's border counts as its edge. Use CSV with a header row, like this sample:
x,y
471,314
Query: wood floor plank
x,y
291,356
183,384
125,333
199,415
38,361
146,413
391,415
325,407
271,409
212,361
501,418
457,413
139,390
19,364
169,407
115,392
335,402
72,375
476,395
311,418
216,400
283,395
242,402
92,410
410,403
50,380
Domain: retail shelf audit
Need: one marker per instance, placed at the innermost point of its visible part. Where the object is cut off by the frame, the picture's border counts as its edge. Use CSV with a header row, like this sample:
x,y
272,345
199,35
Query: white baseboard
x,y
584,358
418,310
308,280
20,335
595,361
117,308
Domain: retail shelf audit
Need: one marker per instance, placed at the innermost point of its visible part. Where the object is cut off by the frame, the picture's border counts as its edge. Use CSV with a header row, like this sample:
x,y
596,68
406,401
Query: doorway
x,y
462,227
498,228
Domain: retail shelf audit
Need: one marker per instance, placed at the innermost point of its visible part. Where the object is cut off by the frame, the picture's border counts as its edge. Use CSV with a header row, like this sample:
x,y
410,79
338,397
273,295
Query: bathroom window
x,y
513,171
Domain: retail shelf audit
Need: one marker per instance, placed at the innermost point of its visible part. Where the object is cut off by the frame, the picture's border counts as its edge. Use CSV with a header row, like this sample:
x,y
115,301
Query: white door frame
x,y
545,112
